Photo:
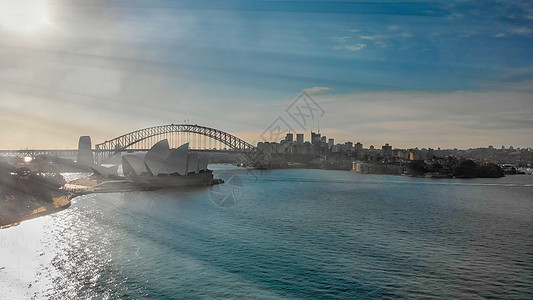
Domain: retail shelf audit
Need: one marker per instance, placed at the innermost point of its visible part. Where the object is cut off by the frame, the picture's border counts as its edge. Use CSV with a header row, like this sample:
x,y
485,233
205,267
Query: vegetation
x,y
452,168
469,169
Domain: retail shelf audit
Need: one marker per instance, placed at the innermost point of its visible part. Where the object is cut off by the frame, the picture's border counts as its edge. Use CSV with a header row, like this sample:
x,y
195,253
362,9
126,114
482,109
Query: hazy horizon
x,y
457,74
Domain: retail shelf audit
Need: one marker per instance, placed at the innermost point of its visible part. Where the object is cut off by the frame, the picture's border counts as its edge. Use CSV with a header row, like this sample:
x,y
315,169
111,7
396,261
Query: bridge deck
x,y
74,152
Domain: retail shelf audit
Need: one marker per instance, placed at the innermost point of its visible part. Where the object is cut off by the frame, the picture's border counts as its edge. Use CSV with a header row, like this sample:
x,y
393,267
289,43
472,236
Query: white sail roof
x,y
115,159
104,171
203,160
192,162
133,165
156,157
176,162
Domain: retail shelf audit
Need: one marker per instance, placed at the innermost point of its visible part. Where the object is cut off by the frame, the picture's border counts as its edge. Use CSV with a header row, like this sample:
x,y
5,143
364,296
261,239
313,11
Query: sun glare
x,y
22,16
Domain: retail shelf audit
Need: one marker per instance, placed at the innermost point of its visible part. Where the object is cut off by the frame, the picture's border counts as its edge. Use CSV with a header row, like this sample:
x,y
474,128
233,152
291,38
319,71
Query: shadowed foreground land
x,y
25,195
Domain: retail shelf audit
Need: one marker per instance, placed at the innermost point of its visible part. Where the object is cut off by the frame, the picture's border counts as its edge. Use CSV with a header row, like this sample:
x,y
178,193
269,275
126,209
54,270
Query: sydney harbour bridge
x,y
200,138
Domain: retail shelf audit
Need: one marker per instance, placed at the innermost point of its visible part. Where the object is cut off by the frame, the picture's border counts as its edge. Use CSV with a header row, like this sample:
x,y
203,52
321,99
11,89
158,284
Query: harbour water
x,y
283,234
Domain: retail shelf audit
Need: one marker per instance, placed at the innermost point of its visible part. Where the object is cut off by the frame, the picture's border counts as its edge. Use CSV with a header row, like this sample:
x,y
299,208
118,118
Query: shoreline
x,y
65,202
35,213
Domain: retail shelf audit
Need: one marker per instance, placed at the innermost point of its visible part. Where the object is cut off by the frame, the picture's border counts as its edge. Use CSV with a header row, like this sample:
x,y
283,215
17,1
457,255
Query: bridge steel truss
x,y
124,142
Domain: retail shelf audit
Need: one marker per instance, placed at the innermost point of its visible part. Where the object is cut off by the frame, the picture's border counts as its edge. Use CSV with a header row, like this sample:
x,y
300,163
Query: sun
x,y
22,16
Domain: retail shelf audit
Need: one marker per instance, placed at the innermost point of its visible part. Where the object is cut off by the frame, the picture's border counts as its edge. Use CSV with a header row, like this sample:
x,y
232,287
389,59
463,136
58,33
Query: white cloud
x,y
499,35
522,31
393,28
381,44
317,89
384,37
356,47
341,39
372,37
455,16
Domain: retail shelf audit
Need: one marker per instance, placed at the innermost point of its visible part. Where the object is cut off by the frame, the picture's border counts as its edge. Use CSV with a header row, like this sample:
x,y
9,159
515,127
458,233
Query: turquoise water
x,y
283,234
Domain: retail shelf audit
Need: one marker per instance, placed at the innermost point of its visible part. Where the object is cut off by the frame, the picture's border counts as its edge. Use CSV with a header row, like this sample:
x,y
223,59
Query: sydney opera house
x,y
162,167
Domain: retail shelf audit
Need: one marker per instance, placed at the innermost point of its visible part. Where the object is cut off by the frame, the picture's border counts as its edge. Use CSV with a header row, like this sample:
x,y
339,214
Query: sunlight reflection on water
x,y
295,234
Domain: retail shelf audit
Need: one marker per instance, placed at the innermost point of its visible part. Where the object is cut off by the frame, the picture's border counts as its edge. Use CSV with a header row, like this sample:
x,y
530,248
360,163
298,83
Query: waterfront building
x,y
401,154
386,151
348,146
133,165
160,160
176,162
415,154
362,155
105,171
156,157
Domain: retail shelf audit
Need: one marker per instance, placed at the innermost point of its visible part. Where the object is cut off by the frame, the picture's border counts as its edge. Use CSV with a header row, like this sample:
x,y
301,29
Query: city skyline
x,y
449,75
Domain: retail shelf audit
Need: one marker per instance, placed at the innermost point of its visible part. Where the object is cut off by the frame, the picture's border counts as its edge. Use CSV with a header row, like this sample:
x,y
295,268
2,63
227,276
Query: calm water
x,y
292,234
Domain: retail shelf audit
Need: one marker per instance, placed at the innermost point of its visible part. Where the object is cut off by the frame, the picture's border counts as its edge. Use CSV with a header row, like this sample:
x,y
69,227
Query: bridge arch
x,y
126,141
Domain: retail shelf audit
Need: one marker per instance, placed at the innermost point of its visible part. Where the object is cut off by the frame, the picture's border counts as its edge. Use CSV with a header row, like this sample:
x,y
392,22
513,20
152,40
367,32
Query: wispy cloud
x,y
372,37
381,44
317,89
385,37
106,63
356,47
455,16
378,40
341,39
522,31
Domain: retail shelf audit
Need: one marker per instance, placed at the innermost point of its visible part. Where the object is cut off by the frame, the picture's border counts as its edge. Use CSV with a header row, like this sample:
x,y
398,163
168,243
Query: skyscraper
x,y
300,138
315,138
386,151
289,137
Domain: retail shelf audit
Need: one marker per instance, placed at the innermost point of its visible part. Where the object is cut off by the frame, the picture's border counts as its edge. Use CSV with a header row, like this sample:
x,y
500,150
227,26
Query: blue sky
x,y
348,46
236,66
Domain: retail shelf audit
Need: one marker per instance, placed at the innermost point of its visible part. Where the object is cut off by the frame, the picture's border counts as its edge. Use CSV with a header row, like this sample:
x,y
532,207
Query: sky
x,y
449,74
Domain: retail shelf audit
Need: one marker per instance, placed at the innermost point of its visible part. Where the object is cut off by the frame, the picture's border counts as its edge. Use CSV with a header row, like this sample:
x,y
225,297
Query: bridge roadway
x,y
74,152
144,138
